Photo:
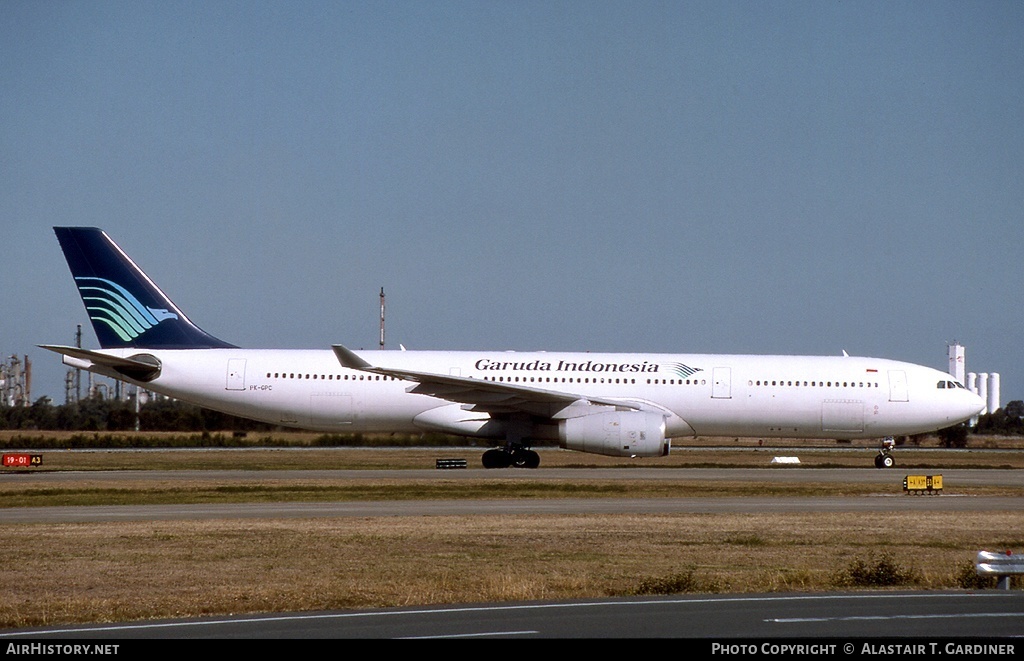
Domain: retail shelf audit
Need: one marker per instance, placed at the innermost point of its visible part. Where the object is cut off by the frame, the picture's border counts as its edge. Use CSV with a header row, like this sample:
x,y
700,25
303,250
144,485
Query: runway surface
x,y
890,497
955,477
845,623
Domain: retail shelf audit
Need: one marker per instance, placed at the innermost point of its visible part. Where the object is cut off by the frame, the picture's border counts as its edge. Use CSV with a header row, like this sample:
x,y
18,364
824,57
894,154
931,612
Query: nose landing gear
x,y
884,458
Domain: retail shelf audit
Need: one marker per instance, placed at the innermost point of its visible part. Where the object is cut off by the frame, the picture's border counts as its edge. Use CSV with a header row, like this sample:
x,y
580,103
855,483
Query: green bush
x,y
686,581
877,572
953,437
967,578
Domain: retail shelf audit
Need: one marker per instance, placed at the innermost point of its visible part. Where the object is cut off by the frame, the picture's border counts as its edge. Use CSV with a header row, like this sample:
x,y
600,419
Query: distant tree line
x,y
93,422
104,414
1007,421
97,414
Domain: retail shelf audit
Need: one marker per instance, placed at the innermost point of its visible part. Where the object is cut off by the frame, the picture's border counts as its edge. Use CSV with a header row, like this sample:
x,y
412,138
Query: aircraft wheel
x,y
878,461
525,459
888,461
496,459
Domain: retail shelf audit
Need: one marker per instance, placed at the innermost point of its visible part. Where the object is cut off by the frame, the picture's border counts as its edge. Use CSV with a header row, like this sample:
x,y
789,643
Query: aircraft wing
x,y
485,396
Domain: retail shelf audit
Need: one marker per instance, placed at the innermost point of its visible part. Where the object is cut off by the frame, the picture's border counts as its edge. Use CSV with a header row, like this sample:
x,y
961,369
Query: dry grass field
x,y
127,571
70,572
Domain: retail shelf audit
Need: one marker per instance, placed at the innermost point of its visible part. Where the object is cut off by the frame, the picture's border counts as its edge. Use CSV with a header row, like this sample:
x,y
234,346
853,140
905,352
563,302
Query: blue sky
x,y
734,177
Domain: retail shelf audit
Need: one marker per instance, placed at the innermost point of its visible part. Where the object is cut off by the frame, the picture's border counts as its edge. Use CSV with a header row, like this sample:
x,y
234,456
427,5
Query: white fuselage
x,y
700,394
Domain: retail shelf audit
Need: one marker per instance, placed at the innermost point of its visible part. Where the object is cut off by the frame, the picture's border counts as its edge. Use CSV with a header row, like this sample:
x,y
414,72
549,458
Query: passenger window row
x,y
330,377
815,384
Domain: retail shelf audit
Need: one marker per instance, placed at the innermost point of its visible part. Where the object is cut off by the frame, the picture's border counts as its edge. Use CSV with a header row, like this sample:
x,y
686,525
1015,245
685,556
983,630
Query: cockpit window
x,y
941,384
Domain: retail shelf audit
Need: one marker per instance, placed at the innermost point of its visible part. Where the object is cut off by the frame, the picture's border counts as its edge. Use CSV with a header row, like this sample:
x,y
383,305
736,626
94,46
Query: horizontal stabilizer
x,y
141,367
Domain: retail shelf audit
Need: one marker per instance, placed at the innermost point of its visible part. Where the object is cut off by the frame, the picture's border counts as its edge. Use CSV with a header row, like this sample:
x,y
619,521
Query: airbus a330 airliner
x,y
617,404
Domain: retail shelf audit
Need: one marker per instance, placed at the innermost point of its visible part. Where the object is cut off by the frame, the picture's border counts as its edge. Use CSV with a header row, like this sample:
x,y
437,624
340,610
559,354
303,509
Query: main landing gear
x,y
519,457
884,458
515,453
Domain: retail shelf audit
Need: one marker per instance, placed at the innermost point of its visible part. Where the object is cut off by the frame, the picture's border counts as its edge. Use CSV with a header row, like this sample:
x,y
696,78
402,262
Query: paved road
x,y
891,499
952,477
844,621
532,506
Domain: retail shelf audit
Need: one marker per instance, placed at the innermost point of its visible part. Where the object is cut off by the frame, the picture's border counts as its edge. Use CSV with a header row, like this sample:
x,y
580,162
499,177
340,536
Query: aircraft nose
x,y
966,407
975,404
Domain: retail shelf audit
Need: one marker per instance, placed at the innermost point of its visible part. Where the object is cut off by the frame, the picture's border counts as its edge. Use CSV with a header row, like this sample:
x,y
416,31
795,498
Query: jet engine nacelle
x,y
454,419
616,433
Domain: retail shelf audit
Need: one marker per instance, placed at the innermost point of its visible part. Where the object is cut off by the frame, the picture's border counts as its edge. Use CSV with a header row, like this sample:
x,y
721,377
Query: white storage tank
x,y
983,390
993,392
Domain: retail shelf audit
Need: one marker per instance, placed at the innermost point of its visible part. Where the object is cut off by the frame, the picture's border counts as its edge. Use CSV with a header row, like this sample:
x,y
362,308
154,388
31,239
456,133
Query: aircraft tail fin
x,y
126,308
